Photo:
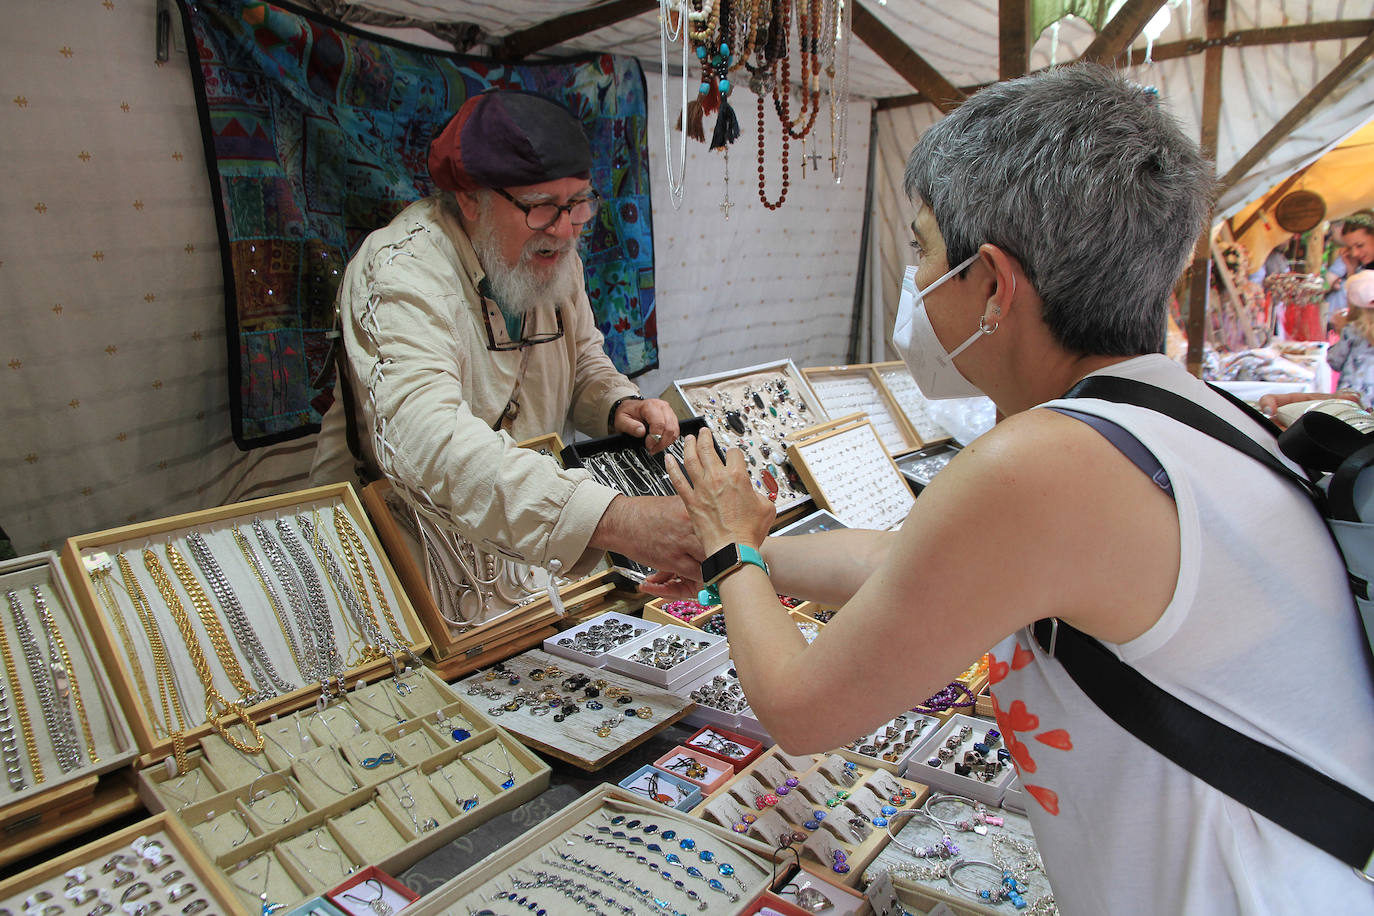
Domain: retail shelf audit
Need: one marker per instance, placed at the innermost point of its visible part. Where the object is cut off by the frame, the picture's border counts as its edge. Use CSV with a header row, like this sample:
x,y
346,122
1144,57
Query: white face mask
x,y
921,350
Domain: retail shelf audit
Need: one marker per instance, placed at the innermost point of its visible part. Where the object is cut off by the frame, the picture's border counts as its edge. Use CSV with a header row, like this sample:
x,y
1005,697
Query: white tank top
x,y
1261,634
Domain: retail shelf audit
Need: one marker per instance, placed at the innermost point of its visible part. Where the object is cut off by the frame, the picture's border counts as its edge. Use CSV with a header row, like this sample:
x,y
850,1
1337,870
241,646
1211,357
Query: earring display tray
x,y
922,880
132,863
851,475
758,409
896,379
579,845
849,389
376,778
241,610
829,810
532,694
60,725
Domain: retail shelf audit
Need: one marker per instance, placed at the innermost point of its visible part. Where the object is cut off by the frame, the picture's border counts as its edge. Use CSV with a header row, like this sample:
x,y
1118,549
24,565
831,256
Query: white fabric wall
x,y
115,407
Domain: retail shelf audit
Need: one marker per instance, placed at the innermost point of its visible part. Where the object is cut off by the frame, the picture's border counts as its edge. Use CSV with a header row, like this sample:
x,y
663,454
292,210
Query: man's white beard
x,y
522,287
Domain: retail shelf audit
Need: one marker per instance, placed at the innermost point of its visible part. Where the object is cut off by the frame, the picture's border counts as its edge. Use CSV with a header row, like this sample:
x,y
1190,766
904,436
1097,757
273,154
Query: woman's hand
x,y
721,501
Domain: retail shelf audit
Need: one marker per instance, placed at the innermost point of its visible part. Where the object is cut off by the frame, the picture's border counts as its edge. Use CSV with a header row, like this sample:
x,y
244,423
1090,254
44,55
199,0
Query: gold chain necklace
x,y
41,604
351,543
105,591
228,662
162,668
217,708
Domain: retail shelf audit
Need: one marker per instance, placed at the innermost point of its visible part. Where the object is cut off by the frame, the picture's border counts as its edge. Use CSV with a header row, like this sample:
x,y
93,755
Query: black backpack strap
x,y
1286,791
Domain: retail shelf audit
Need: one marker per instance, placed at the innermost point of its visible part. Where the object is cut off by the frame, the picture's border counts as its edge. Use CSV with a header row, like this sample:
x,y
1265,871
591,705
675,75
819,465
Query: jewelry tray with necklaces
x,y
466,596
593,842
758,409
831,811
336,794
59,720
623,463
205,619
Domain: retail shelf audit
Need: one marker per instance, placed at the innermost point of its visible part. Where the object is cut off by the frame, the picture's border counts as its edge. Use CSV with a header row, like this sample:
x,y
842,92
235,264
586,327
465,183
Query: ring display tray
x,y
844,390
377,778
585,832
921,466
758,409
896,380
832,810
211,618
575,738
851,475
131,863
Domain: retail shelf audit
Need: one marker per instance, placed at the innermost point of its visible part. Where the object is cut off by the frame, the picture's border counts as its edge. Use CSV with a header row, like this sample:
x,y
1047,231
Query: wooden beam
x,y
1013,38
1298,113
1238,231
571,25
911,66
1319,31
1211,120
1116,36
1253,38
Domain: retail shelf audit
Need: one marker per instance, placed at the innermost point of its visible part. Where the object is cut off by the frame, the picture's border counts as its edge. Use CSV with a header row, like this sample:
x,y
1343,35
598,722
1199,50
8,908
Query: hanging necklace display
x,y
52,700
677,175
162,669
508,772
839,33
247,639
808,22
217,708
774,76
61,661
321,624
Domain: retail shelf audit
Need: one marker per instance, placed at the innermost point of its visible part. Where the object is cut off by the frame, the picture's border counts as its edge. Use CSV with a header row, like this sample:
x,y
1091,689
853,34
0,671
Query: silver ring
x,y
657,437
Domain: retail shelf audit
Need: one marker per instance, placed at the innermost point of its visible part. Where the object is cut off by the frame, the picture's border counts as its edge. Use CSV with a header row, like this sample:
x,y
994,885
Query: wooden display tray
x,y
796,453
573,740
448,897
907,439
930,436
39,812
859,854
188,855
47,822
152,748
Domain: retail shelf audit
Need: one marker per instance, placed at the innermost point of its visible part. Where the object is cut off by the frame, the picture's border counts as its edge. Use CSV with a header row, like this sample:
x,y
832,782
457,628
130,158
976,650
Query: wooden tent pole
x,y
900,56
1211,118
1013,38
1298,113
1116,36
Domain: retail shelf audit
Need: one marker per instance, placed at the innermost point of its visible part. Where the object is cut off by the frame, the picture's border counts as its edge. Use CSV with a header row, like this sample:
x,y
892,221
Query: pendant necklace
x,y
508,772
377,905
458,734
267,908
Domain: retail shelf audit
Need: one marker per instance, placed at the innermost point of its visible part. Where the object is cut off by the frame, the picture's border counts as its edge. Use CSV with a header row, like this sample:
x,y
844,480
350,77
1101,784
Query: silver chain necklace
x,y
61,730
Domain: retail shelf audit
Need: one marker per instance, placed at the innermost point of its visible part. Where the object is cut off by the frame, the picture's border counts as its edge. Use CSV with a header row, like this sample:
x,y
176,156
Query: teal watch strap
x,y
743,554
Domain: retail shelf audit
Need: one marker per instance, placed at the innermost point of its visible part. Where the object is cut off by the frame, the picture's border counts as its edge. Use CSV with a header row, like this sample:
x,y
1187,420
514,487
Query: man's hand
x,y
651,418
653,530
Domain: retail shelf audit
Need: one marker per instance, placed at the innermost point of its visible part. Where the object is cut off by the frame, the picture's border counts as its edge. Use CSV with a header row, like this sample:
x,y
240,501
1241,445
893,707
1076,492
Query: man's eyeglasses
x,y
499,340
541,216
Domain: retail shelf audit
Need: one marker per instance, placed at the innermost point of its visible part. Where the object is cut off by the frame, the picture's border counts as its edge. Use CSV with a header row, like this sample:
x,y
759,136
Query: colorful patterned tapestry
x,y
316,134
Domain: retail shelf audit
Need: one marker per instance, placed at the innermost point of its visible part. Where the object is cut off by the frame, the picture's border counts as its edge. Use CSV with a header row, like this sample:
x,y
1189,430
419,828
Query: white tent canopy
x,y
116,407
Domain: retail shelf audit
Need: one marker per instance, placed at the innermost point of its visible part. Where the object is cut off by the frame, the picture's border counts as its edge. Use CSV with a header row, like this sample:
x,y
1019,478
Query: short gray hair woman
x,y
1053,214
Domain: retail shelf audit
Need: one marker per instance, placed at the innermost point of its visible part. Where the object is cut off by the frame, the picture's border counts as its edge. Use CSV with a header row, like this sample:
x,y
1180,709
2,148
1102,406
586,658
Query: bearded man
x,y
466,328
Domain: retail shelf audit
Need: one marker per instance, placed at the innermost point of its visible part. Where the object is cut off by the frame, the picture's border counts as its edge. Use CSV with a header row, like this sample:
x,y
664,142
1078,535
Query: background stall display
x,y
851,475
857,389
896,378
